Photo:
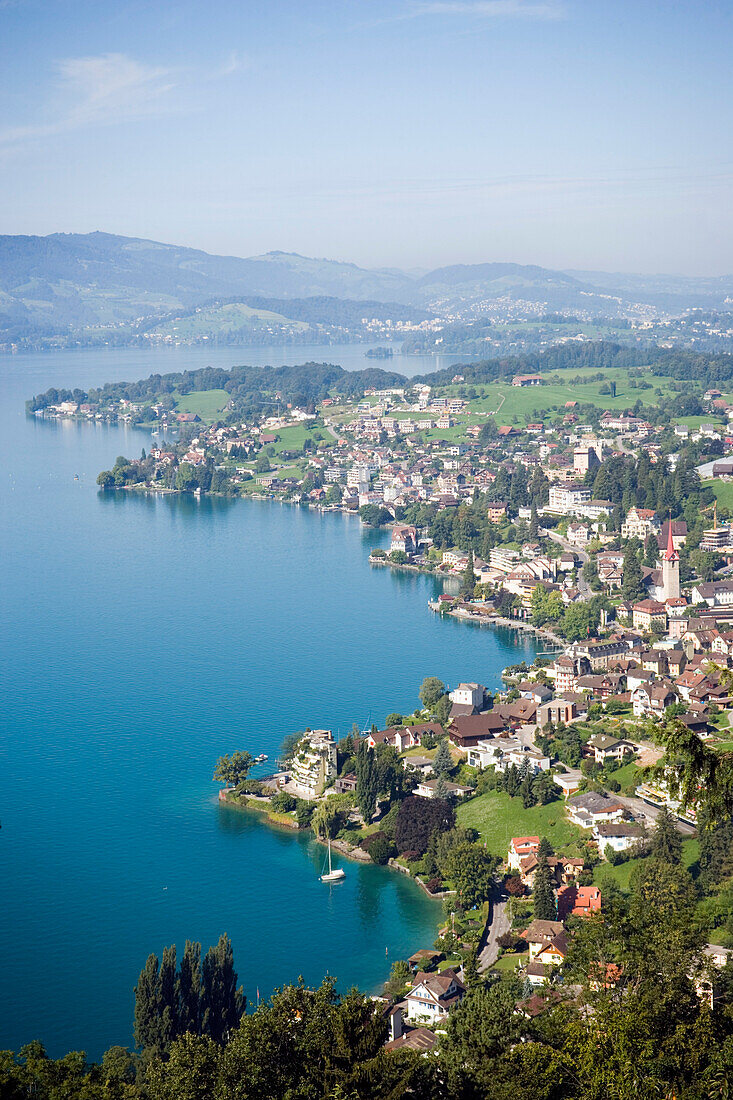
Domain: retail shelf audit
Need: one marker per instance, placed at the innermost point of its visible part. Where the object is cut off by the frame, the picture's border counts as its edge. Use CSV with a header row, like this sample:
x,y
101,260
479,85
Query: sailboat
x,y
332,875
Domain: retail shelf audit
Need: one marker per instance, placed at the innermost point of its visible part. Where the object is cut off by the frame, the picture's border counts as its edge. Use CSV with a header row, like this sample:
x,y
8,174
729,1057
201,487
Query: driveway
x,y
497,925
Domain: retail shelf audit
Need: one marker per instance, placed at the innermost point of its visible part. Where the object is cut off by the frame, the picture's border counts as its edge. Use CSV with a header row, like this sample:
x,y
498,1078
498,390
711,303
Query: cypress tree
x,y
147,1028
223,1004
468,583
188,990
168,998
543,896
367,781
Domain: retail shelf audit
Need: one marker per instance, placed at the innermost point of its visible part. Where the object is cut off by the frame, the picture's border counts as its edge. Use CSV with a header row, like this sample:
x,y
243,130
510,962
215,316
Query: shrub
x,y
434,885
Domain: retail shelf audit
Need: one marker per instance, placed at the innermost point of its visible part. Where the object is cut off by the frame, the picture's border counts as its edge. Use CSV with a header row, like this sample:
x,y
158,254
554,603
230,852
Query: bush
x,y
434,885
304,812
379,846
282,802
251,786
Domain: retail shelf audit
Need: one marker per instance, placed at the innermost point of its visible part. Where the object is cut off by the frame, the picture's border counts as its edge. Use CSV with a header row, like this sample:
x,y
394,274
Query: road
x,y
499,924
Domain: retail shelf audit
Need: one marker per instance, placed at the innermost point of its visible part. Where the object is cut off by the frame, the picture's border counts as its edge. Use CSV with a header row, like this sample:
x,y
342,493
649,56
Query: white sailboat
x,y
332,875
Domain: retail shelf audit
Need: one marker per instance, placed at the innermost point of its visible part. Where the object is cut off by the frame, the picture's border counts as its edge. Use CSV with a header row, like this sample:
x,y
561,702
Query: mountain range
x,y
69,283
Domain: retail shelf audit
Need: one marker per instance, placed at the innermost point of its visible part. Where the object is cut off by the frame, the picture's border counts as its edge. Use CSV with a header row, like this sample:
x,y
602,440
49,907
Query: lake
x,y
144,636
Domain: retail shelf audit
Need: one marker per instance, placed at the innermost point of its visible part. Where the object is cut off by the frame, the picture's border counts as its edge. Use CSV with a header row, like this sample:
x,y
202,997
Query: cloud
x,y
103,90
492,9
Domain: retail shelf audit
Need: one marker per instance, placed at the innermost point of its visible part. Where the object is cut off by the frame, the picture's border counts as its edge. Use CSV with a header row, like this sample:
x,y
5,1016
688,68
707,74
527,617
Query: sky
x,y
577,134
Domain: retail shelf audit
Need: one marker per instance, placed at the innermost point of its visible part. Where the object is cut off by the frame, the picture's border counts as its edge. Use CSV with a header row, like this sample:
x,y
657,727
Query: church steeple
x,y
670,554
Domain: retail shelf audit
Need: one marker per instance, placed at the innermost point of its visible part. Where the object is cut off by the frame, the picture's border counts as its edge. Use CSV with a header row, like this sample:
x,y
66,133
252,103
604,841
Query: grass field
x,y
292,439
498,818
208,404
694,422
622,874
523,403
226,319
723,492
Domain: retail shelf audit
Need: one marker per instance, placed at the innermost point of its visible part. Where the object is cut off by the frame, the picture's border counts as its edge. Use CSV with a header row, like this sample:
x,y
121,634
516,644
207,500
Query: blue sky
x,y
406,133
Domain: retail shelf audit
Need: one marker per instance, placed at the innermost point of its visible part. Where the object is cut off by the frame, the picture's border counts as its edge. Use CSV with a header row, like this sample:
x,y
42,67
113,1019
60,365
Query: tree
x,y
399,977
631,585
543,896
186,478
233,770
222,1002
666,842
188,990
148,1008
443,761
262,464
478,1031
394,719
441,788
431,690
471,869
367,781
417,819
468,581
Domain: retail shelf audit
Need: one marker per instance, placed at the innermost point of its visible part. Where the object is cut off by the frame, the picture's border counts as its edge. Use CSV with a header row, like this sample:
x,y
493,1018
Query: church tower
x,y
670,569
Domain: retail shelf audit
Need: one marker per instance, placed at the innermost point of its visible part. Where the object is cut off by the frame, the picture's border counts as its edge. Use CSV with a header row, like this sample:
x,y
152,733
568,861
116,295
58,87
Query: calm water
x,y
142,638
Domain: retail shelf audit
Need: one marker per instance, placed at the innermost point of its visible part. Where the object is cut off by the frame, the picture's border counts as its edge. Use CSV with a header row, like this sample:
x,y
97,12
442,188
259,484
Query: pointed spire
x,y
670,554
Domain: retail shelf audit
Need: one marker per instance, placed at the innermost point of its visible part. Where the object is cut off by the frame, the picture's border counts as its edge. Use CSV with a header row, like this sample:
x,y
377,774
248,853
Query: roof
x,y
594,803
417,1038
542,931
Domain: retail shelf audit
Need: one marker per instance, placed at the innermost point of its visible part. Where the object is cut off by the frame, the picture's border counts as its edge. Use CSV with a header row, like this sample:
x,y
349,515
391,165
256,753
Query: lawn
x,y
498,818
208,404
293,438
723,491
623,872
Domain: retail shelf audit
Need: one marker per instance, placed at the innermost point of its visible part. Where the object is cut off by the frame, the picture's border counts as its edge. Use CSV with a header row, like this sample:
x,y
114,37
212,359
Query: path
x,y
497,925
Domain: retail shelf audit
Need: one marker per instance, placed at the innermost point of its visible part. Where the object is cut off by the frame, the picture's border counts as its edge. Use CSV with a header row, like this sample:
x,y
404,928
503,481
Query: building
x,y
616,835
469,695
527,380
314,762
591,809
519,848
670,570
639,524
566,499
433,996
609,748
578,901
404,539
649,615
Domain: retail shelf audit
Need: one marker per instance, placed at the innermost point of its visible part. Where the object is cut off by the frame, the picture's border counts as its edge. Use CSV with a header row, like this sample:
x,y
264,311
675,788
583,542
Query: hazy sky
x,y
410,133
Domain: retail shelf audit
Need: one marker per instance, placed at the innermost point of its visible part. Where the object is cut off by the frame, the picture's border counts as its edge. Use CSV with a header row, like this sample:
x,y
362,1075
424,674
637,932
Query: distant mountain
x,y
98,287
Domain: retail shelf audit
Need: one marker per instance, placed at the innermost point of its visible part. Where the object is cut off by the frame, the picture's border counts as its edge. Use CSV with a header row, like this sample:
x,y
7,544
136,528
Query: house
x,y
578,534
404,539
519,848
466,731
422,764
652,698
345,784
590,809
419,1039
639,524
425,959
567,784
427,788
609,748
578,901
527,380
496,511
433,996
556,710
649,616
619,836
533,690
540,934
469,695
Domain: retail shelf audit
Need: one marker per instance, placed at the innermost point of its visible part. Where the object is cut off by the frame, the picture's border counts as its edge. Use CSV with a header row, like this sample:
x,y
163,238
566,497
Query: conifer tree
x,y
468,582
543,896
147,1027
168,998
443,762
222,1002
367,781
666,841
188,990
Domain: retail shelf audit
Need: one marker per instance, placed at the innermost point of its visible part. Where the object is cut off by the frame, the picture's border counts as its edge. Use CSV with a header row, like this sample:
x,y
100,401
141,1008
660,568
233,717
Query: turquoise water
x,y
142,638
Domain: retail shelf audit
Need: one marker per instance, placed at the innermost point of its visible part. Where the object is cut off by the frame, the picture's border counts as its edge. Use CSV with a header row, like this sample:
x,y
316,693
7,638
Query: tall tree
x,y
431,690
666,843
223,1003
168,997
443,761
543,895
148,1008
631,585
367,781
468,581
188,990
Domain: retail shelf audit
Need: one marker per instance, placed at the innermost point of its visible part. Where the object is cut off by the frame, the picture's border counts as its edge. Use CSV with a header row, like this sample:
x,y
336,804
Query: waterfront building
x,y
314,762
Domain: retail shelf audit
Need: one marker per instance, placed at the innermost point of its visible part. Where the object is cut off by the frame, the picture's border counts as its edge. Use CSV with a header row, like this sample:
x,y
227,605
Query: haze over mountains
x,y
75,284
